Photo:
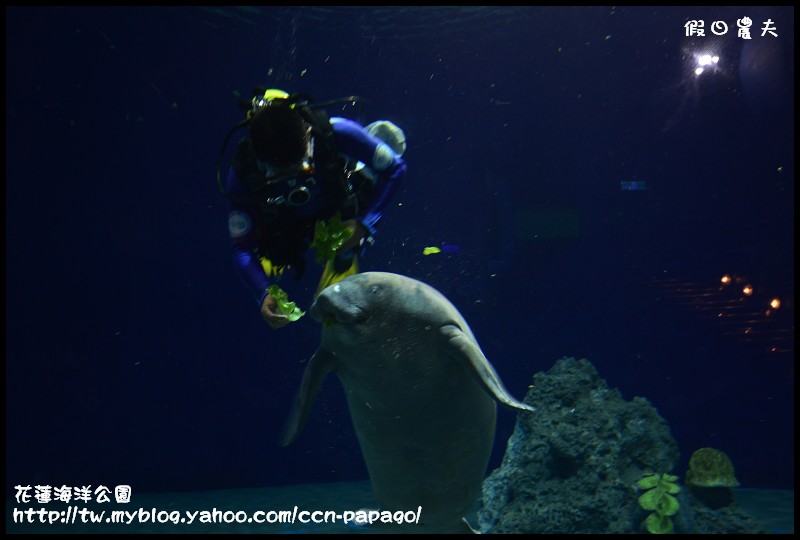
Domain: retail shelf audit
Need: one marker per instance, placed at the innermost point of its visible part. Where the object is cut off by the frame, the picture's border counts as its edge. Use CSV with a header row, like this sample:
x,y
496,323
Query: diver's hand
x,y
271,314
359,232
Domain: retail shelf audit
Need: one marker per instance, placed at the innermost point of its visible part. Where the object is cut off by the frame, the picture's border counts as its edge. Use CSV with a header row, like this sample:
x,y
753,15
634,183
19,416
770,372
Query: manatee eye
x,y
375,289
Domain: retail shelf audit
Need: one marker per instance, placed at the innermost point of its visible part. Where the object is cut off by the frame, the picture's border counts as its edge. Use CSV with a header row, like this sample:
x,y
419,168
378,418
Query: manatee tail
x,y
317,369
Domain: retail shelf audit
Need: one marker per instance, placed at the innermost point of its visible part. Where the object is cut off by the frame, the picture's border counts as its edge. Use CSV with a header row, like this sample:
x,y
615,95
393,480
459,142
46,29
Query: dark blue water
x,y
134,354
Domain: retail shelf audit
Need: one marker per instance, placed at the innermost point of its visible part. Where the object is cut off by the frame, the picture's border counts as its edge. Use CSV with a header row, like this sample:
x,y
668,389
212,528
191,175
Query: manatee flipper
x,y
317,369
469,529
460,346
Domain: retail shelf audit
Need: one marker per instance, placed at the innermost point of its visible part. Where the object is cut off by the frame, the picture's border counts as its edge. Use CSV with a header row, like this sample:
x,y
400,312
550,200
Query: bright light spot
x,y
726,279
775,303
748,290
707,60
703,61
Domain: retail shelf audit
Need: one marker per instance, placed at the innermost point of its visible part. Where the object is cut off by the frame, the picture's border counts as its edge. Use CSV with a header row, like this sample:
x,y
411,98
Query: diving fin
x,y
338,268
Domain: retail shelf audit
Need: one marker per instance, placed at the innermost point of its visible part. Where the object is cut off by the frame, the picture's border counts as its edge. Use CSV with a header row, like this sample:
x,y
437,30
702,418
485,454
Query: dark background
x,y
134,354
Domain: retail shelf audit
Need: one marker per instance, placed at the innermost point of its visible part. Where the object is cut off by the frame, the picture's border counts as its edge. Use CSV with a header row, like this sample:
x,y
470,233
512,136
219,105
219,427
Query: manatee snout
x,y
338,302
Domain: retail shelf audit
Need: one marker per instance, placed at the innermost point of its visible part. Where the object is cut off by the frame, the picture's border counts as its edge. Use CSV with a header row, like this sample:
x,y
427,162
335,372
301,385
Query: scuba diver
x,y
295,168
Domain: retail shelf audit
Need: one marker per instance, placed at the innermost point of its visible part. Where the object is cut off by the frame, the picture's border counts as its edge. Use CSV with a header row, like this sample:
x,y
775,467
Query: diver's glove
x,y
354,240
271,313
278,310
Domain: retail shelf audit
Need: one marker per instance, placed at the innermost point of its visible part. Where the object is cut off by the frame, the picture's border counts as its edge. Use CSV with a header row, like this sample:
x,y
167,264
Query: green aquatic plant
x,y
287,308
658,497
329,236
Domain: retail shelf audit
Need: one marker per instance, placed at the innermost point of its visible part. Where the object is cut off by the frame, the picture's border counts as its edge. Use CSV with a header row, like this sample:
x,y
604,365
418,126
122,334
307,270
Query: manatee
x,y
420,392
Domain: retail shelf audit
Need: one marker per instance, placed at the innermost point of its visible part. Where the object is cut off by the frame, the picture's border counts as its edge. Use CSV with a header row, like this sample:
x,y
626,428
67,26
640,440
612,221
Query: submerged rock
x,y
572,466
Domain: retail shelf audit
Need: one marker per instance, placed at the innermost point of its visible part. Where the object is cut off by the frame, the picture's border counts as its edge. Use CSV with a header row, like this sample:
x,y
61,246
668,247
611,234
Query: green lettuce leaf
x,y
329,237
287,308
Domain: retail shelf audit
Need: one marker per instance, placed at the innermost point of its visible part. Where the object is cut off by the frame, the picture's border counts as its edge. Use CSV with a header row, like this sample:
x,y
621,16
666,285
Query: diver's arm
x,y
354,142
241,228
384,190
241,219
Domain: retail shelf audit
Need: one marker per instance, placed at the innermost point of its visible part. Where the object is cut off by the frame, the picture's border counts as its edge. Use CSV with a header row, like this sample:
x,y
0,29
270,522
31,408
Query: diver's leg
x,y
338,268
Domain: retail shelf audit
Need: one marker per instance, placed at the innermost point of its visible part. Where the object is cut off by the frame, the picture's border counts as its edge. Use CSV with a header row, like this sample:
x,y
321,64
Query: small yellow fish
x,y
431,250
